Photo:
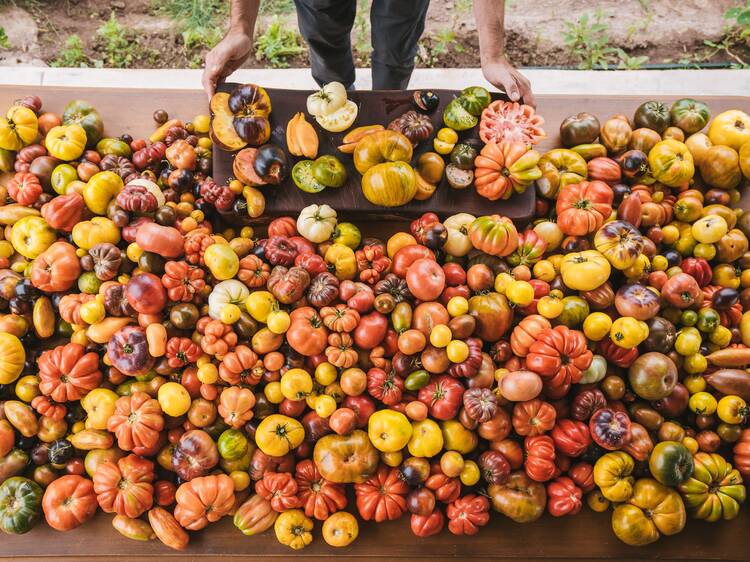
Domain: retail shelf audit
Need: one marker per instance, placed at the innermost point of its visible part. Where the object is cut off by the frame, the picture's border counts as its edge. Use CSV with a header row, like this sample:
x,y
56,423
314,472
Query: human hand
x,y
503,75
226,57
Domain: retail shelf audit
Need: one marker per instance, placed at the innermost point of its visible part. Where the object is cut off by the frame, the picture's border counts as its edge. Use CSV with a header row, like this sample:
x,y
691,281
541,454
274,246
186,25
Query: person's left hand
x,y
503,75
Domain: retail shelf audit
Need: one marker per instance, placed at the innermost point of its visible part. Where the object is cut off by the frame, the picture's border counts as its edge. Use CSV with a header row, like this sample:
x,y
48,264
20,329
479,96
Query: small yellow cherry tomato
x,y
440,335
208,373
688,341
273,392
201,123
671,234
445,140
659,263
452,463
691,444
260,304
174,399
544,270
502,280
520,293
27,388
702,403
695,364
278,321
732,409
470,473
694,383
596,501
550,307
458,306
721,336
597,325
134,252
325,405
325,373
240,479
627,332
230,313
705,251
457,351
296,384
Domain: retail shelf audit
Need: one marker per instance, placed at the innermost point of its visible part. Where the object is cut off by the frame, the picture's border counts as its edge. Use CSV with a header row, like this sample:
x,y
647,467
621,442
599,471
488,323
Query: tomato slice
x,y
304,179
341,119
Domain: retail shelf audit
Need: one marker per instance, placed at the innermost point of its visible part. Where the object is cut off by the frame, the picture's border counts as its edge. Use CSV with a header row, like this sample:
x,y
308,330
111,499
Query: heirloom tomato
x,y
585,271
730,128
671,163
389,430
715,489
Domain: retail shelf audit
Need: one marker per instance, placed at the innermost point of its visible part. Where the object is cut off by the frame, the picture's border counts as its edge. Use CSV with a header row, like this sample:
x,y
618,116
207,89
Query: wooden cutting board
x,y
375,107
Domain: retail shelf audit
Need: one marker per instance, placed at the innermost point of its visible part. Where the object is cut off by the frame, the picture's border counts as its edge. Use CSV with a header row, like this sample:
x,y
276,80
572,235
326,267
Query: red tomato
x,y
443,395
480,277
426,279
454,274
407,256
371,330
362,406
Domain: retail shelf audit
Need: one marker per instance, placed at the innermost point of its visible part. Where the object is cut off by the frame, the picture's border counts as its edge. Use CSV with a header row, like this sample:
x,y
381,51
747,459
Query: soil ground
x,y
647,31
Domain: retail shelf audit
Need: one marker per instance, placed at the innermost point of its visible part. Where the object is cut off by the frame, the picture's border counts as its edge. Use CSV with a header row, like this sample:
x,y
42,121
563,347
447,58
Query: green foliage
x,y
271,7
277,44
117,44
444,41
4,41
587,39
71,55
362,44
740,16
201,22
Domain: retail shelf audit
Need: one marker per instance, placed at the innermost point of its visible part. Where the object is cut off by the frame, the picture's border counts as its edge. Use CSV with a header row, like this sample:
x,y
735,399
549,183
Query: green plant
x,y
587,39
4,41
277,44
71,55
740,15
200,22
270,7
627,62
362,44
118,51
445,40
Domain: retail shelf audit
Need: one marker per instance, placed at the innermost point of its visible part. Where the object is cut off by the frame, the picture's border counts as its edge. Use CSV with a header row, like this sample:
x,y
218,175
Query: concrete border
x,y
642,82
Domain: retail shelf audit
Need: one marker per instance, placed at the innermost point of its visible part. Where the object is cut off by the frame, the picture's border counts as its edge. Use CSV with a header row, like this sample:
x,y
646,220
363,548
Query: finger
x,y
511,88
526,94
209,83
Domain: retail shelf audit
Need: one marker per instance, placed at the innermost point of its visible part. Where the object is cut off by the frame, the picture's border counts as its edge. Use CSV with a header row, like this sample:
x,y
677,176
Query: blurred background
x,y
604,34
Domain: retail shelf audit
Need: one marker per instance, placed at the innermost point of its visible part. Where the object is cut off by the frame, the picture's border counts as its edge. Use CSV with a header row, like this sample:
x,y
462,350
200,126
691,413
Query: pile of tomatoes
x,y
171,371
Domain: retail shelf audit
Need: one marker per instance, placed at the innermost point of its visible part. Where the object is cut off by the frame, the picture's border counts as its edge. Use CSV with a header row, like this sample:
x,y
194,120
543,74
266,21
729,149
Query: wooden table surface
x,y
583,537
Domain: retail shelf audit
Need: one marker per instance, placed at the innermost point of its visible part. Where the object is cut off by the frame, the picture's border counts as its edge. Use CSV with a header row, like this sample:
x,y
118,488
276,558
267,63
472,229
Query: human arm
x,y
229,54
490,18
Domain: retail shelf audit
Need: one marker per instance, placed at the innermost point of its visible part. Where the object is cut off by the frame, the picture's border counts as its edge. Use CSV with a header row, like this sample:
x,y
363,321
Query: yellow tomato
x,y
296,384
688,341
549,306
134,252
732,409
702,403
174,399
440,335
88,234
230,313
278,321
458,438
392,459
520,293
273,392
470,474
222,260
389,430
92,312
659,263
585,271
691,444
340,529
597,325
278,434
451,463
721,336
27,388
325,373
100,406
101,189
457,351
260,304
695,364
445,140
710,229
458,306
730,128
671,234
6,249
31,236
325,405
694,383
544,270
240,479
208,373
596,501
502,280
66,142
201,123
398,241
426,439
705,251
627,332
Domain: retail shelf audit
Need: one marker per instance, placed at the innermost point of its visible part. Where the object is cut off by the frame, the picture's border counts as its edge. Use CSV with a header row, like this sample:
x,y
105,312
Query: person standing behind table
x,y
397,25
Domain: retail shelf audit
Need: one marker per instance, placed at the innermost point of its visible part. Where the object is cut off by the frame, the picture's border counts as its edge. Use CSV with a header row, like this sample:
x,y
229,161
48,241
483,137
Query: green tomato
x,y
708,320
689,115
79,112
575,310
62,175
20,505
671,463
347,234
89,283
304,179
457,117
232,445
329,171
115,147
417,380
474,99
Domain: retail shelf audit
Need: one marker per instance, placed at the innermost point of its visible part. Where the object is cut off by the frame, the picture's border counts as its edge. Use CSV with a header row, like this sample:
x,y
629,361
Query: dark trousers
x,y
396,25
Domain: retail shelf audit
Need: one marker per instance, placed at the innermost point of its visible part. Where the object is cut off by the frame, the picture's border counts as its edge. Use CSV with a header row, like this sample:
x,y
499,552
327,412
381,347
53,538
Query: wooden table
x,y
585,536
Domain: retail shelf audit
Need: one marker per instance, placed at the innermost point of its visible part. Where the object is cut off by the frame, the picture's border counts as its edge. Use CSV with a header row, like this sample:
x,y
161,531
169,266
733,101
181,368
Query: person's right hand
x,y
225,58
